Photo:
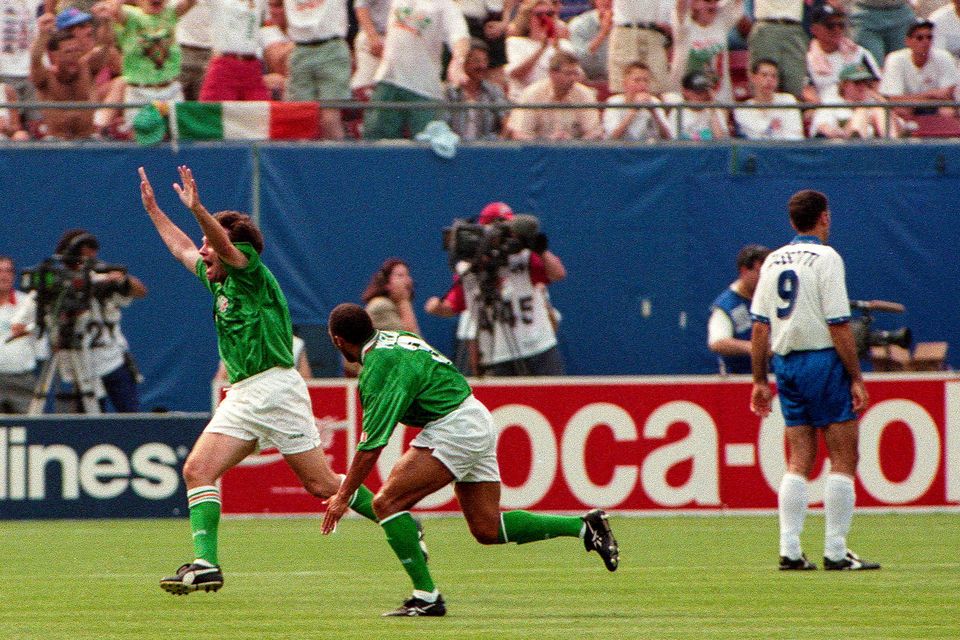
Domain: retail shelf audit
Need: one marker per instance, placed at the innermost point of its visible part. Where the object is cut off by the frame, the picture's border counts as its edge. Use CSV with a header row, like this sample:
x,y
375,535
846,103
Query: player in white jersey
x,y
801,312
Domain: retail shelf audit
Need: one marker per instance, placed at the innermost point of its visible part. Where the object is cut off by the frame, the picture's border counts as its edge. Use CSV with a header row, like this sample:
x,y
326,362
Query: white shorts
x,y
465,441
271,407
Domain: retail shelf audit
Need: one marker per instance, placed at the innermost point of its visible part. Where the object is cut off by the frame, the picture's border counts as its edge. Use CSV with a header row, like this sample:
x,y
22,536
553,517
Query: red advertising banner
x,y
649,444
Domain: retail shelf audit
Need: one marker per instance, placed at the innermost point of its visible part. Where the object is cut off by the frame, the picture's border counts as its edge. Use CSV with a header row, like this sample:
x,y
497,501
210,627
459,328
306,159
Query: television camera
x,y
866,337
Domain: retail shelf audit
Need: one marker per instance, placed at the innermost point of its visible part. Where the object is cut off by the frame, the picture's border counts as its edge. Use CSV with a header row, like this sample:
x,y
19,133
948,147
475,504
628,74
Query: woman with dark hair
x,y
389,297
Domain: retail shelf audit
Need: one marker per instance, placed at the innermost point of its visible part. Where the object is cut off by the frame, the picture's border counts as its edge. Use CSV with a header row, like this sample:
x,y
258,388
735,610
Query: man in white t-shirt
x,y
802,314
320,60
17,345
920,72
412,64
946,28
768,123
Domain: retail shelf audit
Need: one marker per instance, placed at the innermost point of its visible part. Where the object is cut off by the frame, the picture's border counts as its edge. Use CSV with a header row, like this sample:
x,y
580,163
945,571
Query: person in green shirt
x,y
404,380
267,404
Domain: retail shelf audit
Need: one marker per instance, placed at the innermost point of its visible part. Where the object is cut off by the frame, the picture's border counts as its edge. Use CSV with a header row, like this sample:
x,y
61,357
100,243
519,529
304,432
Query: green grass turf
x,y
680,577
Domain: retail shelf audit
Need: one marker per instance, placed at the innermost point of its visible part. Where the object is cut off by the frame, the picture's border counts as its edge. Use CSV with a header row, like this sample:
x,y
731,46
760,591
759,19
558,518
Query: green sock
x,y
362,503
204,505
523,526
402,535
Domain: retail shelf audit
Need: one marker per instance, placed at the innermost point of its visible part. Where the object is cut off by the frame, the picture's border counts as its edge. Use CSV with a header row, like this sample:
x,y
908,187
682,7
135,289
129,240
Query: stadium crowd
x,y
768,55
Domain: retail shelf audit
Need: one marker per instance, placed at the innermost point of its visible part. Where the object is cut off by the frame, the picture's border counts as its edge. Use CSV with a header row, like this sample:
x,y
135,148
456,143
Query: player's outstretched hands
x,y
188,193
336,506
146,193
761,399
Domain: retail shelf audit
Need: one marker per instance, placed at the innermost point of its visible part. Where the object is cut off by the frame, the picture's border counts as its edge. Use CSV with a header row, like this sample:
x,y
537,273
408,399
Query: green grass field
x,y
680,577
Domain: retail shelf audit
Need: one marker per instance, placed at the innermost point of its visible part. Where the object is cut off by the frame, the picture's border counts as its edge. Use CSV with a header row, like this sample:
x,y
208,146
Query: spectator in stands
x,y
17,345
11,120
489,21
857,85
537,35
635,123
769,123
320,61
277,47
590,35
946,28
641,33
919,72
880,26
18,32
412,64
700,30
389,297
696,123
830,51
561,86
146,35
193,36
236,71
476,124
778,35
730,324
372,17
67,79
737,36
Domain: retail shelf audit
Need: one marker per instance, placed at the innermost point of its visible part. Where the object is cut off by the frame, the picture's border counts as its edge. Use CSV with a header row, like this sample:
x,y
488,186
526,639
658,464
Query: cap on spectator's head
x,y
697,81
856,72
921,23
71,17
825,12
495,211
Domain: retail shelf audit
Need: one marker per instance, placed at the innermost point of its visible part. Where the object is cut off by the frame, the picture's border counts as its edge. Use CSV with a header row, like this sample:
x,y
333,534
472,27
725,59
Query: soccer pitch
x,y
679,577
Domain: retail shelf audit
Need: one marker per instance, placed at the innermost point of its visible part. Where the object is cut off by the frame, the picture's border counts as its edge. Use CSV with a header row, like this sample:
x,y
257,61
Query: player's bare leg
x,y
839,498
415,476
318,478
211,457
793,498
480,502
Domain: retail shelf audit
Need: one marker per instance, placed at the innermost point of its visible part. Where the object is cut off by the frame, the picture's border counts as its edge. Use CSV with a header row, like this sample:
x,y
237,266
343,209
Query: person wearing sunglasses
x,y
919,72
832,49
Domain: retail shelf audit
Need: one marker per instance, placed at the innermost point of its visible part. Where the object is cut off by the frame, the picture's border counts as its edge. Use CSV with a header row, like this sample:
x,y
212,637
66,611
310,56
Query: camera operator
x,y
110,358
502,290
17,345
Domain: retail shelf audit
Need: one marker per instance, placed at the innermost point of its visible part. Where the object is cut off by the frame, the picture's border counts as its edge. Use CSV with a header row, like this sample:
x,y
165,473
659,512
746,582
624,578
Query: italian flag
x,y
246,120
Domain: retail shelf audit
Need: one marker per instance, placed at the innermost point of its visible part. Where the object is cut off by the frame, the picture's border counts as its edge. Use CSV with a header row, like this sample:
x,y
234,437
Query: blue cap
x,y
71,17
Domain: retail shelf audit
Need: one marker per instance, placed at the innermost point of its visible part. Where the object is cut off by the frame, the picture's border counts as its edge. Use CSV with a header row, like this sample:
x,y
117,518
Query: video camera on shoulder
x,y
489,246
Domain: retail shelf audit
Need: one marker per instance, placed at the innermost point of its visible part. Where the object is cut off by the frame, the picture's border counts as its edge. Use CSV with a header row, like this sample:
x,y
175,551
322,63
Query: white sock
x,y
792,502
428,596
202,562
839,498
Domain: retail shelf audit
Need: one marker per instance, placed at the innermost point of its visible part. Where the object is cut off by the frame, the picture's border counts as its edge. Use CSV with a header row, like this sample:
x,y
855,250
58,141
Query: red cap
x,y
495,211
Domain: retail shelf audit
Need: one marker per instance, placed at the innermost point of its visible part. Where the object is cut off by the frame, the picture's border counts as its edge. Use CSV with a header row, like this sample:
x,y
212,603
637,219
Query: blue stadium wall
x,y
648,234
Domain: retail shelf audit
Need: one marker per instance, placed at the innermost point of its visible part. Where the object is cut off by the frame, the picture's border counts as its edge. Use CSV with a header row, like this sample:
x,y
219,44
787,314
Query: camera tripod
x,y
67,364
489,318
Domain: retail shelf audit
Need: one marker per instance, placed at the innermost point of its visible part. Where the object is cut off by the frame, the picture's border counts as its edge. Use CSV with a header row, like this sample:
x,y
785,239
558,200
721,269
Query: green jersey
x,y
405,380
148,42
254,332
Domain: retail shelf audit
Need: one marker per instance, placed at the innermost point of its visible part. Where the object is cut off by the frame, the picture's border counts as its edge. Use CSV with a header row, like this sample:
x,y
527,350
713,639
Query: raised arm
x,y
179,243
216,235
39,75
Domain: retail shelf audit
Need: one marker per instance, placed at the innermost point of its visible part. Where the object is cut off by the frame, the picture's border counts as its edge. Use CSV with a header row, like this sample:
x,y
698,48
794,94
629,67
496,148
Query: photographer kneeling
x,y
110,360
501,270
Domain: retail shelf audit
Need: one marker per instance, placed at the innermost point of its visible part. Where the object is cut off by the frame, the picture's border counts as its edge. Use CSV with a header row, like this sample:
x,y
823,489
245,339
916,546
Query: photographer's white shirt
x,y
17,356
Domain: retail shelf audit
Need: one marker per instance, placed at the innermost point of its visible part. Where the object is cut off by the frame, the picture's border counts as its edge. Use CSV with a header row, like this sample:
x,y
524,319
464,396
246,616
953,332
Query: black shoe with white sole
x,y
796,564
850,562
414,607
193,577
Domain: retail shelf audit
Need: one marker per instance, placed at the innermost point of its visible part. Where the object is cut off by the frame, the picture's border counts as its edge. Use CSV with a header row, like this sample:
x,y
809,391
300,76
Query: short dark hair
x,y
636,64
750,255
378,282
240,228
76,239
58,38
756,64
805,208
919,24
350,322
561,58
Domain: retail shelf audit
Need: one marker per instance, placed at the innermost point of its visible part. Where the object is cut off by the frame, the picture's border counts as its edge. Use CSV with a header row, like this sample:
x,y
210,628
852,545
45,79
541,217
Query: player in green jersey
x,y
404,380
267,404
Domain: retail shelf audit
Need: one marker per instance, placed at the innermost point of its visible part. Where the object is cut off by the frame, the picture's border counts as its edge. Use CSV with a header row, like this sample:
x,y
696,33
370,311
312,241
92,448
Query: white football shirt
x,y
802,290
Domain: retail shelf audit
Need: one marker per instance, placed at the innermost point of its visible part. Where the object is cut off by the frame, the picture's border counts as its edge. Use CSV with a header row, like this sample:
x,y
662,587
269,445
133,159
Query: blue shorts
x,y
814,388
